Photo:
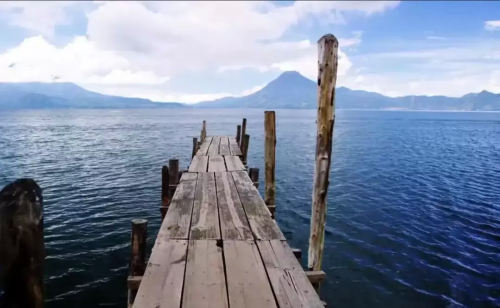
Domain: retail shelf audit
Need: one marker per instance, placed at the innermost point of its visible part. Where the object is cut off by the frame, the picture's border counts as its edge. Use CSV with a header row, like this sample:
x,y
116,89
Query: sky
x,y
196,51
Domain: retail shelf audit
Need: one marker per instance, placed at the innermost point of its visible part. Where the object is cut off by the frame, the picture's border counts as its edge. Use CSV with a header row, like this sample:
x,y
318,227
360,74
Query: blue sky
x,y
193,51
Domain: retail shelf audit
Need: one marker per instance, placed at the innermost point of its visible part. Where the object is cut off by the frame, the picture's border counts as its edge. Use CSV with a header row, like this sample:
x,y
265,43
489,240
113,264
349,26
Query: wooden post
x,y
270,158
238,133
246,142
254,176
173,166
21,244
243,133
165,193
327,77
138,253
204,131
195,147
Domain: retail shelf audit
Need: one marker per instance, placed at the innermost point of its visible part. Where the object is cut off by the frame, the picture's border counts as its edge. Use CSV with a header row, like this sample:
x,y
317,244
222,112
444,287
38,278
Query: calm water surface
x,y
413,206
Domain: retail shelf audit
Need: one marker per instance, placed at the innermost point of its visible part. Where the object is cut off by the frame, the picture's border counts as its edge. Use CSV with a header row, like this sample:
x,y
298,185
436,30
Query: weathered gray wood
x,y
165,197
262,225
216,163
238,133
199,164
205,221
253,173
270,157
316,276
161,286
224,146
205,283
134,282
288,280
235,150
233,221
233,141
204,131
327,77
214,146
243,132
176,223
233,163
203,150
247,283
137,253
21,244
195,147
173,166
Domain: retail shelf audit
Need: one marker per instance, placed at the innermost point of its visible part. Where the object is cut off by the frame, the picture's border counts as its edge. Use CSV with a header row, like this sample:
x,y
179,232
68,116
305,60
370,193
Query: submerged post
x,y
243,132
173,165
327,77
195,147
21,244
270,158
138,253
238,133
246,142
165,193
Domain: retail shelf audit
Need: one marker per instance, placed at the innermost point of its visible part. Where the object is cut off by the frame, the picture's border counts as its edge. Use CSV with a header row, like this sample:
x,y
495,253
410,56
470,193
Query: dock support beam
x,y
243,133
173,165
195,147
203,131
245,144
21,244
138,254
270,159
327,77
254,176
238,133
165,191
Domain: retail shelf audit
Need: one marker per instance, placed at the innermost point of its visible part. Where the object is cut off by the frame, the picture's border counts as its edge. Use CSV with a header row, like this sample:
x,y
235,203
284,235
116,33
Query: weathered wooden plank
x,y
233,140
290,284
224,146
177,221
262,225
233,163
199,164
161,286
205,283
214,146
247,283
233,221
205,218
235,150
203,150
216,163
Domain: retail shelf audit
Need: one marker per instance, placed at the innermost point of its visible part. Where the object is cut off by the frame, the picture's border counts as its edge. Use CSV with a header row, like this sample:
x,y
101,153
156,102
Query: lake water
x,y
413,206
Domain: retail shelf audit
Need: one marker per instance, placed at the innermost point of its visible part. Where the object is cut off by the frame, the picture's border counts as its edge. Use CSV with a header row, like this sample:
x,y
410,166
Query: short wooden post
x,y
246,142
138,253
327,77
270,158
21,244
173,166
238,133
195,147
165,193
254,176
243,133
204,131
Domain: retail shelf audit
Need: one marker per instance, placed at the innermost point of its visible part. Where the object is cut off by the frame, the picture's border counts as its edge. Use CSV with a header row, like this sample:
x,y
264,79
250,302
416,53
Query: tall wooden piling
x,y
21,244
243,132
165,191
195,147
173,166
204,131
254,176
270,158
327,77
245,144
238,133
138,253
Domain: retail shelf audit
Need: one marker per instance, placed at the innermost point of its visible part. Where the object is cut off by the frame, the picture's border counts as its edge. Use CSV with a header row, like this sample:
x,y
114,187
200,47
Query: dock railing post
x,y
173,166
21,244
246,142
243,133
138,253
238,133
165,191
270,160
195,147
327,77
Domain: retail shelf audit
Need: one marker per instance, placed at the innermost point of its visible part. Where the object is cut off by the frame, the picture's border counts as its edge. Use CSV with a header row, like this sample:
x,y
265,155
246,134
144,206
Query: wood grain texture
x,y
235,150
178,219
205,283
216,163
224,146
233,141
161,286
214,146
247,282
270,157
262,225
327,78
205,218
243,132
233,221
233,163
199,164
203,150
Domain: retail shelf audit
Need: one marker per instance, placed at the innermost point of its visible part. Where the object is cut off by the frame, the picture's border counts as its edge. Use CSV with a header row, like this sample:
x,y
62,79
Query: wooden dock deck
x,y
218,245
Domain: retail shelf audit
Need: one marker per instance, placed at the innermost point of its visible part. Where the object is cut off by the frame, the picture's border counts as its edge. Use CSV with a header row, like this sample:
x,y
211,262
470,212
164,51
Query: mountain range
x,y
289,91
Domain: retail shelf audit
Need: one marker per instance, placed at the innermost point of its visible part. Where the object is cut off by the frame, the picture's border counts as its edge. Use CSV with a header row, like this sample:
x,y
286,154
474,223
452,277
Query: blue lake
x,y
413,206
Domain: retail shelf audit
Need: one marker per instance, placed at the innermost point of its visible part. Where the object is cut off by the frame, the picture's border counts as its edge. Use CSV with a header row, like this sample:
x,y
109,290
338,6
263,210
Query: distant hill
x,y
58,95
294,91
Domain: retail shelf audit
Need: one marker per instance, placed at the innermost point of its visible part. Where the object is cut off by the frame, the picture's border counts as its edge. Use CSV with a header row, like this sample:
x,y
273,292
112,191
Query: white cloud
x,y
492,25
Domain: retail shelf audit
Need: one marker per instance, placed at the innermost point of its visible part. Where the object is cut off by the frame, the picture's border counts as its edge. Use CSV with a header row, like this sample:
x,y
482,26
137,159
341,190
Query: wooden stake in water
x,y
173,165
246,143
195,147
243,132
138,252
327,78
270,157
165,191
238,133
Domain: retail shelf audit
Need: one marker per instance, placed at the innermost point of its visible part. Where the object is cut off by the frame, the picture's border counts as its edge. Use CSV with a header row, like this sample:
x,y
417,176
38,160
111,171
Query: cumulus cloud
x,y
492,25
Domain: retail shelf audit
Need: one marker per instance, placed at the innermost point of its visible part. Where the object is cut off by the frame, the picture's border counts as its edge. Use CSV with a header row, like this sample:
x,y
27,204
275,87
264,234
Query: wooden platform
x,y
218,245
